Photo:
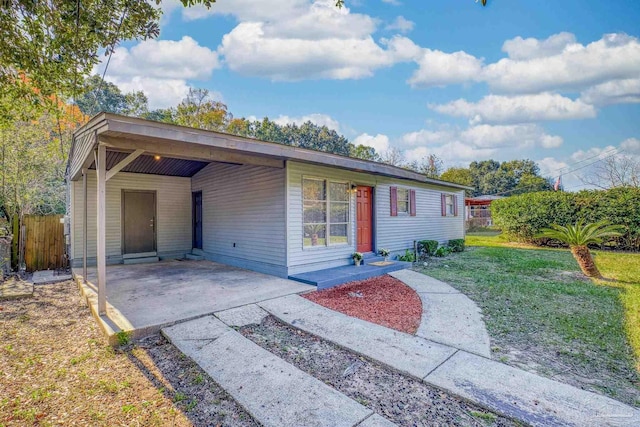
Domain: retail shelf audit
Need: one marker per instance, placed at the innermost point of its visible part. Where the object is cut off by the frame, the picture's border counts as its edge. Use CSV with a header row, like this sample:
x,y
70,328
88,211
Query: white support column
x,y
101,171
84,225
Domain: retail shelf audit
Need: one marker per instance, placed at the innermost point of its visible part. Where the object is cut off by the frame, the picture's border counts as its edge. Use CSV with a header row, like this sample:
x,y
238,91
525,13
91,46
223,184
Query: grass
x,y
543,315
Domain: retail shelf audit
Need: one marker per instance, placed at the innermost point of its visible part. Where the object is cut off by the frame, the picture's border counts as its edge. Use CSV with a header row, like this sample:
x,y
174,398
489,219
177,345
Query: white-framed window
x,y
325,216
403,201
450,204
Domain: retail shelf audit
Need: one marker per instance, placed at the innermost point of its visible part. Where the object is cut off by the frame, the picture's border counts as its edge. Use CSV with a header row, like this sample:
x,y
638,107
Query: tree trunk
x,y
585,261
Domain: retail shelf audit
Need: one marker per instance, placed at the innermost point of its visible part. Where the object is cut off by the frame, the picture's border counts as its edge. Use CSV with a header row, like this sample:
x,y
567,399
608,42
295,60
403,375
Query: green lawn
x,y
544,316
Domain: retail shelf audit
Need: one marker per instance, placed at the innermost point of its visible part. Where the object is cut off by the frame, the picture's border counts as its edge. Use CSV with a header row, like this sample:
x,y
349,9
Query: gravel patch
x,y
382,300
57,369
401,399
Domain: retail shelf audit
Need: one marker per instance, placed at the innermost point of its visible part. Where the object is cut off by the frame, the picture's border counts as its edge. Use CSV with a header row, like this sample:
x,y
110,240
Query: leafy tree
x,y
579,236
507,178
200,110
53,45
99,95
460,176
165,115
363,152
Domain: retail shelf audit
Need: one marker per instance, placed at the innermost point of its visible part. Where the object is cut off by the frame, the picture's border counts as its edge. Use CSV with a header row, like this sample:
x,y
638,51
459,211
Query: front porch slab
x,y
330,277
143,298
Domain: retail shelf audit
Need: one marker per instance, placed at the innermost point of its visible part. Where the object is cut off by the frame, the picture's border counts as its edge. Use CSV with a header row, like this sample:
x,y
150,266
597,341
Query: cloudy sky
x,y
554,81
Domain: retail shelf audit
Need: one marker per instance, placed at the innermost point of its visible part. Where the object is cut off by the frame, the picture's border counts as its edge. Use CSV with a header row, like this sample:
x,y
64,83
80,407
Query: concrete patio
x,y
143,298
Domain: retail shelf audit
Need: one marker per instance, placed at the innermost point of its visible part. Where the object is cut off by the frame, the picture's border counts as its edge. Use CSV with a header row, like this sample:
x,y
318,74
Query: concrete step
x,y
335,276
518,394
197,251
193,257
273,391
141,260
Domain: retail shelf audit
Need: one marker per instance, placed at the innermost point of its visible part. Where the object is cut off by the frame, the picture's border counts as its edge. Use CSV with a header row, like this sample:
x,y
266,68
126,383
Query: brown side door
x,y
138,221
364,219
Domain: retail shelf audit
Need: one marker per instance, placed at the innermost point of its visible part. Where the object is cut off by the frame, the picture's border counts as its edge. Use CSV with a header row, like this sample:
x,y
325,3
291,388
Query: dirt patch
x,y
401,399
56,369
382,300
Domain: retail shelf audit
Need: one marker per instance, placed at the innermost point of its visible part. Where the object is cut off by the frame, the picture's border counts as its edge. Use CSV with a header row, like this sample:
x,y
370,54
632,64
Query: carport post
x,y
101,171
84,225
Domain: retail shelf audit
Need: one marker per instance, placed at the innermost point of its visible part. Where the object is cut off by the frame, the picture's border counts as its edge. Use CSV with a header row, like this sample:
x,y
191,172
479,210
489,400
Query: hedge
x,y
522,217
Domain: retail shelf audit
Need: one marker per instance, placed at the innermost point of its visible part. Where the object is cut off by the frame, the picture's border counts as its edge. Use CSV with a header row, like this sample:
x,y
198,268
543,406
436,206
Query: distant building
x,y
478,211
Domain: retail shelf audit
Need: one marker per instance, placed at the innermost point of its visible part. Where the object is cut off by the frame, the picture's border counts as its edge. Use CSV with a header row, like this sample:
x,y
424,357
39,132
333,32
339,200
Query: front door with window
x,y
364,219
138,219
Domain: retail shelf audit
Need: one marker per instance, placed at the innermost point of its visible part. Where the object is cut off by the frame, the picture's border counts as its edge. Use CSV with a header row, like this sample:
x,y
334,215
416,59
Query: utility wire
x,y
616,151
113,45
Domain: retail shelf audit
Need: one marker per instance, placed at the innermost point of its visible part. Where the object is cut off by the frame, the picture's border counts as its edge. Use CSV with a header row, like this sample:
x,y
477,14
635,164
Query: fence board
x,y
44,243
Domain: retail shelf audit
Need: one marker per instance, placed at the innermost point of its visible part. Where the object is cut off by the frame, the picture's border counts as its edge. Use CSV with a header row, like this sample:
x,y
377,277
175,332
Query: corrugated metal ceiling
x,y
147,164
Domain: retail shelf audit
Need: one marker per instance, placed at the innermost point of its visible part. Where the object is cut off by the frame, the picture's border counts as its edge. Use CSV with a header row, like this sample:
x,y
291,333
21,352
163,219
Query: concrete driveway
x,y
153,295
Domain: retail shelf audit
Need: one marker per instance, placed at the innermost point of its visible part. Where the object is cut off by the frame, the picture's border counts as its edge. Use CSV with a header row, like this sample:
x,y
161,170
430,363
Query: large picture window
x,y
325,212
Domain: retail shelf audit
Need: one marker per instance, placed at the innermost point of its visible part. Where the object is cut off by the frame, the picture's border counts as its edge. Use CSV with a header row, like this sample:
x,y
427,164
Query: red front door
x,y
364,205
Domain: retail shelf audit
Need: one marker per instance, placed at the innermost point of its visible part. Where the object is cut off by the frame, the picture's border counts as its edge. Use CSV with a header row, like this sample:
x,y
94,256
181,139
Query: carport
x,y
142,298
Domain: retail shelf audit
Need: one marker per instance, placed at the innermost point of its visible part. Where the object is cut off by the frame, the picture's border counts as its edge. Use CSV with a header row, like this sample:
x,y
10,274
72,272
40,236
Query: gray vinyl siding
x,y
244,205
81,149
393,233
173,209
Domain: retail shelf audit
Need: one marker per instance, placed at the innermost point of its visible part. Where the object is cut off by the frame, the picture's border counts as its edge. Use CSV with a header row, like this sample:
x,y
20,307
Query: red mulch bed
x,y
382,300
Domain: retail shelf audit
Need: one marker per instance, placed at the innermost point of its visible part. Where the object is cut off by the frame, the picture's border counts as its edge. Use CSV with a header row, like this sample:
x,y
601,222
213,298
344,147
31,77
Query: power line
x,y
113,45
615,152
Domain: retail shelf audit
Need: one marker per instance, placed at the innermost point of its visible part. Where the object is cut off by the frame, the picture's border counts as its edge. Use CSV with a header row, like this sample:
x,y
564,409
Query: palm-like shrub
x,y
579,236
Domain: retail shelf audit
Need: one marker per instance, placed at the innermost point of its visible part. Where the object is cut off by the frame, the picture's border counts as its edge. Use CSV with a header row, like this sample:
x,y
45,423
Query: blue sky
x,y
554,81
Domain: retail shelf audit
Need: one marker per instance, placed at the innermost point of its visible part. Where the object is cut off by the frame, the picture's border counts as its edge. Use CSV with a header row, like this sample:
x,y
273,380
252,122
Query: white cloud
x,y
161,93
182,59
248,50
289,40
457,146
379,142
625,91
592,153
517,109
631,146
392,2
161,68
522,49
606,71
575,67
248,10
437,68
317,118
401,24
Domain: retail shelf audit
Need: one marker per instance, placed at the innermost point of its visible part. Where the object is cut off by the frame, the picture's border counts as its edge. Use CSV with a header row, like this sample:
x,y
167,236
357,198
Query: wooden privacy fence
x,y
43,242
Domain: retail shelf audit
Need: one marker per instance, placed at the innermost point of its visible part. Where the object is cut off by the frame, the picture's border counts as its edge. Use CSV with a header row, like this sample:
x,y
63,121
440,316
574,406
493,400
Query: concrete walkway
x,y
273,391
448,316
506,390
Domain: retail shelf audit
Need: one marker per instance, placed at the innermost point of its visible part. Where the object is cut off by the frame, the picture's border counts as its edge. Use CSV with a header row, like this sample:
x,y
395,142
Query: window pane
x,y
315,235
403,206
338,192
313,189
339,212
315,212
338,233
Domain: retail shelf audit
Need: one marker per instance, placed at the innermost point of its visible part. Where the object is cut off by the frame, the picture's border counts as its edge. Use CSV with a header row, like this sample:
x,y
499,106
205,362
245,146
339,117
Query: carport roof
x,y
183,151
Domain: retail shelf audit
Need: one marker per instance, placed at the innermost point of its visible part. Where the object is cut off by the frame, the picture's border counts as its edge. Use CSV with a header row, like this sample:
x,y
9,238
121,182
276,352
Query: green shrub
x,y
456,245
442,251
427,248
522,217
408,256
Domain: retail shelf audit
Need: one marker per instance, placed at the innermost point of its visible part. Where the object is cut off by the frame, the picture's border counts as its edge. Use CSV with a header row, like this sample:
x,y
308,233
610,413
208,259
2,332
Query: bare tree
x,y
393,156
614,171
